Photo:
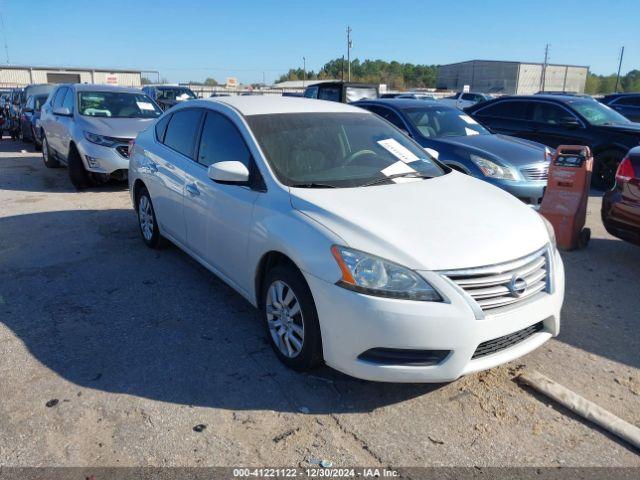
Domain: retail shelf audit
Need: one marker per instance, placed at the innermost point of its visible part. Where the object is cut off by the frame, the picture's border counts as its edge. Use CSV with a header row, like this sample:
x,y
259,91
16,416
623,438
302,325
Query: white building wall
x,y
20,77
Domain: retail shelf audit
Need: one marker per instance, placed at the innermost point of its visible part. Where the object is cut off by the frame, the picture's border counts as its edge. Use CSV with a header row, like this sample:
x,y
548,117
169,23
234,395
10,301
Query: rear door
x,y
509,117
176,150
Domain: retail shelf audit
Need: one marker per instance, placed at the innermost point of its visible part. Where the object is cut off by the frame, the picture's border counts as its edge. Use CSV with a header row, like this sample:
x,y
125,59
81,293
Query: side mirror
x,y
62,111
228,172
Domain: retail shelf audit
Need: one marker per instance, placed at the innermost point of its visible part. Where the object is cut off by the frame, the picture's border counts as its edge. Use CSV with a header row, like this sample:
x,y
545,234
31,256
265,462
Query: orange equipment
x,y
565,200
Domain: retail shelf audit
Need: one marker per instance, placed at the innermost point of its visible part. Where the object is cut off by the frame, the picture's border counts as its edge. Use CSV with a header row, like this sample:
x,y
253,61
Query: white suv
x,y
361,250
88,128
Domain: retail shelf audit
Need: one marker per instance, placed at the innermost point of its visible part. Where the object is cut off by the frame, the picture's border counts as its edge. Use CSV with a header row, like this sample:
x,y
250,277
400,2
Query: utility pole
x,y
619,67
304,71
544,67
349,46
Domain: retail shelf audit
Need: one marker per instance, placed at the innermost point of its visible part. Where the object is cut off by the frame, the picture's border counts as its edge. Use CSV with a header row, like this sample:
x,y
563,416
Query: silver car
x,y
88,128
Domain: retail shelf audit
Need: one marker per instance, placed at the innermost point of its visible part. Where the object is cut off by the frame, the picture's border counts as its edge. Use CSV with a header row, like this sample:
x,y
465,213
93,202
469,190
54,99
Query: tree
x,y
211,82
145,81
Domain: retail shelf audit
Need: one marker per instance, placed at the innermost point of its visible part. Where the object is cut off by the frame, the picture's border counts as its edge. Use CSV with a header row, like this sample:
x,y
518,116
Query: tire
x,y
605,165
295,337
47,157
147,222
78,175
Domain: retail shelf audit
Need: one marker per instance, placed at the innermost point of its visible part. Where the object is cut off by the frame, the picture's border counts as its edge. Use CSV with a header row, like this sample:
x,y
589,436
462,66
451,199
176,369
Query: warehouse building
x,y
20,76
509,78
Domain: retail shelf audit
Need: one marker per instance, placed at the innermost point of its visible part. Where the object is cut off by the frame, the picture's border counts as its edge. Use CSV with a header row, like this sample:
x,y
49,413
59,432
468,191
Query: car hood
x,y
508,150
448,222
631,127
116,127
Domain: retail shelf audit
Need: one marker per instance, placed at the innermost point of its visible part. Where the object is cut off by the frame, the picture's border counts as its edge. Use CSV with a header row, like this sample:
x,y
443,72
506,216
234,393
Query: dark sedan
x,y
621,204
628,104
30,119
564,120
457,140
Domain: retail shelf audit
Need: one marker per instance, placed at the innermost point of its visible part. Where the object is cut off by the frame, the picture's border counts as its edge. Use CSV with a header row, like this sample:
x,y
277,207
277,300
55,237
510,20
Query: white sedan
x,y
361,250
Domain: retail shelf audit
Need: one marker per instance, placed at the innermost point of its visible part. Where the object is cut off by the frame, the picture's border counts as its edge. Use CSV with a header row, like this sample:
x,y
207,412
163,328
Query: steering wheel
x,y
360,153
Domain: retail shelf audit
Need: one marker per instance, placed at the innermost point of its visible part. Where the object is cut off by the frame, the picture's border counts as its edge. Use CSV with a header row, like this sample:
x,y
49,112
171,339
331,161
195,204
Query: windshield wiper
x,y
312,185
397,175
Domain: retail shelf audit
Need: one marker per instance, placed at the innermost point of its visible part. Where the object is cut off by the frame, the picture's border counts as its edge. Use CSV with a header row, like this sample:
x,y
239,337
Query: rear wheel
x,y
78,175
604,169
147,220
47,156
291,319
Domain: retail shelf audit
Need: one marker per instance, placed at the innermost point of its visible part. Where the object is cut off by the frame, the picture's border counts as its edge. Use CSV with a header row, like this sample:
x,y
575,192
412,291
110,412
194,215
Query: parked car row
x,y
360,231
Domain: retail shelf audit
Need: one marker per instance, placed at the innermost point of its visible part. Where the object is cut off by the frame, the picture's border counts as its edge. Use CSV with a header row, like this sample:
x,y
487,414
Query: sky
x,y
251,40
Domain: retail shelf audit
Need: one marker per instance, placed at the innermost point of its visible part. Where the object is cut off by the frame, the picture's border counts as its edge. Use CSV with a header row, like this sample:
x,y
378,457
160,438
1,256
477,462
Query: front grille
x,y
498,344
123,150
505,284
537,172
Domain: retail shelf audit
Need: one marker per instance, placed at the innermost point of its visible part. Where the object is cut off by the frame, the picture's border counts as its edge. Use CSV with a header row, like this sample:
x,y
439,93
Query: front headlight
x,y
550,231
492,169
371,275
100,139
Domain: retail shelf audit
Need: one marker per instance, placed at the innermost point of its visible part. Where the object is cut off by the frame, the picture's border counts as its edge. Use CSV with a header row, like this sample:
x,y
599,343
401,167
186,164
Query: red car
x,y
621,204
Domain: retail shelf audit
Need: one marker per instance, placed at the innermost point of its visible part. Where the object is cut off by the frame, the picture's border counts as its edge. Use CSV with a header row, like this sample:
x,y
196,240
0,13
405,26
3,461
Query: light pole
x,y
619,67
304,71
349,46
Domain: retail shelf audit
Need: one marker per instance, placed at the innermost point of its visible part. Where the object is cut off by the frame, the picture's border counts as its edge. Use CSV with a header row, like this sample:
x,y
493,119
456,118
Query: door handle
x,y
192,189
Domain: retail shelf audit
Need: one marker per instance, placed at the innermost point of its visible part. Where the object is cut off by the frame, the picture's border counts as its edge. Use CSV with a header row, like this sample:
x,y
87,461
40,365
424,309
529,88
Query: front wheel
x,y
78,175
291,319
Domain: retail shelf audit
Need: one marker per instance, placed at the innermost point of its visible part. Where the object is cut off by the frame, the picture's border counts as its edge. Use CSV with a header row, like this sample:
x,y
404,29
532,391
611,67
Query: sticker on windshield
x,y
400,152
471,131
396,169
145,106
434,153
468,119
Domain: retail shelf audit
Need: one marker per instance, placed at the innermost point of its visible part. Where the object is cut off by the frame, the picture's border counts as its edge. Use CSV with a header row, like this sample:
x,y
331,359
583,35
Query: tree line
x,y
602,84
394,74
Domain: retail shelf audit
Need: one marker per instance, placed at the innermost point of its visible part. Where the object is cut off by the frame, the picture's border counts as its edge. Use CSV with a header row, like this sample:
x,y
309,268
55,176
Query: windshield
x,y
598,114
337,149
175,93
117,105
444,122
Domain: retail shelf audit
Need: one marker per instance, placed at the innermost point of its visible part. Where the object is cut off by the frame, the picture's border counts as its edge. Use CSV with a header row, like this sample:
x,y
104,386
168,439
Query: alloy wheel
x,y
284,319
145,216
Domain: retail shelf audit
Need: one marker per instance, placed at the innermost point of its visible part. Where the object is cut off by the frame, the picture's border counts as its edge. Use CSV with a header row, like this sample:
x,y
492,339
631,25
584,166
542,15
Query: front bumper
x,y
99,159
528,191
353,323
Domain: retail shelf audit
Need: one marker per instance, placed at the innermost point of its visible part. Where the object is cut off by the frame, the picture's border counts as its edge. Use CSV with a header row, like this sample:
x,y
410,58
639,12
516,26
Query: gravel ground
x,y
111,354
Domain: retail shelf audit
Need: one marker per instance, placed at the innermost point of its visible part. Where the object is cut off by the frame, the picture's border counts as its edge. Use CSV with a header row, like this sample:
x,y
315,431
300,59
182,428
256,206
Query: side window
x,y
182,131
515,110
311,92
389,116
59,98
469,96
29,102
221,141
329,93
161,127
69,99
631,101
550,114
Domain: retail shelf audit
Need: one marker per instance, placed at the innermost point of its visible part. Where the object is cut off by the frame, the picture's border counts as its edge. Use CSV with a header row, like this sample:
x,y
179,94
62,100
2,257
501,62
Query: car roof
x,y
404,103
270,104
89,87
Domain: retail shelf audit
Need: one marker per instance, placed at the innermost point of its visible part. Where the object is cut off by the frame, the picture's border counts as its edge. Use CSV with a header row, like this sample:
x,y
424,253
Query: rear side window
x,y
515,110
161,127
182,131
221,141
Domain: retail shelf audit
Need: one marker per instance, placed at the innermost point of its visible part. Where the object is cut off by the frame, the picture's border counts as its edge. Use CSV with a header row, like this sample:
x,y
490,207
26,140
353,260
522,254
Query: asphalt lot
x,y
138,347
